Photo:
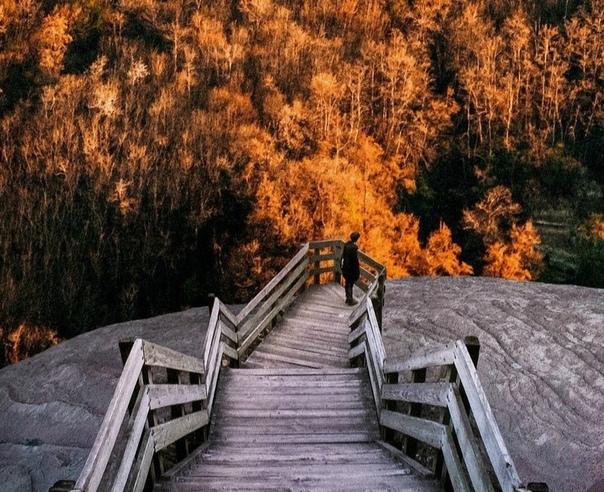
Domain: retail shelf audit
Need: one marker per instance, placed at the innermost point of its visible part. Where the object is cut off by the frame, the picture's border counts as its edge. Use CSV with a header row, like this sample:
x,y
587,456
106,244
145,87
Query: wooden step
x,y
296,417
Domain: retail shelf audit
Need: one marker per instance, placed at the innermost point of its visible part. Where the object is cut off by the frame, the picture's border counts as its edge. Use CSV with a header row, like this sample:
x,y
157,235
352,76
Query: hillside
x,y
542,366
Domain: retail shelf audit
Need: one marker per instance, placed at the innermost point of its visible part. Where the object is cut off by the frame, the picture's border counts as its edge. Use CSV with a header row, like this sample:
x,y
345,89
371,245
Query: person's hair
x,y
354,236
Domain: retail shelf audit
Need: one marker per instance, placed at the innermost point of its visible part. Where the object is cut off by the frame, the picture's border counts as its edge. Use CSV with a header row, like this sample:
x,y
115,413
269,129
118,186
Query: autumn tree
x,y
510,246
441,255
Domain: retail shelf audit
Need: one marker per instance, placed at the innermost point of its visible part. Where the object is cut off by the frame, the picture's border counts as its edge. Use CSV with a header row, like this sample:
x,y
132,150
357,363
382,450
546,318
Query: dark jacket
x,y
350,262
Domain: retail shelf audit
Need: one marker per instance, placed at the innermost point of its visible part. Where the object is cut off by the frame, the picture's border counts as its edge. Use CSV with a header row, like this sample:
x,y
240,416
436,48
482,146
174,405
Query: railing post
x,y
317,266
378,299
211,301
473,346
125,346
415,410
176,411
388,434
337,272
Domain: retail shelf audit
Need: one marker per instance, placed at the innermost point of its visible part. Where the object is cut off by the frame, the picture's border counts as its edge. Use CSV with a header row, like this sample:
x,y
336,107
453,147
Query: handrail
x,y
158,380
460,400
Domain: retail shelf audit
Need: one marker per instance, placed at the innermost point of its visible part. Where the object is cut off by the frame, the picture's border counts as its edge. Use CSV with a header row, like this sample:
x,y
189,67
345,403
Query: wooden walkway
x,y
296,417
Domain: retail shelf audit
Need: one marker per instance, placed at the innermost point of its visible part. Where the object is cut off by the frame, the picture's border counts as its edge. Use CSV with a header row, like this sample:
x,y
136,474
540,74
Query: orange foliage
x,y
54,37
594,227
441,255
510,247
26,341
517,258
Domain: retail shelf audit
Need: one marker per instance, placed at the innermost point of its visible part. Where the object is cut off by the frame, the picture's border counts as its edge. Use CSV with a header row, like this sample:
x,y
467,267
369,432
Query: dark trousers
x,y
348,287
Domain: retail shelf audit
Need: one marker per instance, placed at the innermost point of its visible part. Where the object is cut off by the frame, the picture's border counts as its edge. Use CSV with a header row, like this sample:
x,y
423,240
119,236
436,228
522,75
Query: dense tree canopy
x,y
154,151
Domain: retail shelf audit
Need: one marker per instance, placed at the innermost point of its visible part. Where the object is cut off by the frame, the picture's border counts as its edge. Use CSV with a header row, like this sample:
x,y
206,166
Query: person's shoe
x,y
351,302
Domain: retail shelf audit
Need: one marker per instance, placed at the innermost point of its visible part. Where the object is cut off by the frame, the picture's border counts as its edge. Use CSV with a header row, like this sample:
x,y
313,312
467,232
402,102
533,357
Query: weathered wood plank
x,y
100,453
140,470
156,355
356,351
337,359
364,258
163,395
279,298
420,429
318,471
454,465
136,427
212,332
227,332
338,437
469,447
165,434
228,316
421,359
258,298
485,420
326,244
248,337
426,393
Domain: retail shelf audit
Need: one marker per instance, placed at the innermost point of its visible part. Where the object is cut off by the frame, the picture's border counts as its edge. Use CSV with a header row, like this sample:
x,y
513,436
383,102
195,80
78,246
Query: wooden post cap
x,y
537,487
63,486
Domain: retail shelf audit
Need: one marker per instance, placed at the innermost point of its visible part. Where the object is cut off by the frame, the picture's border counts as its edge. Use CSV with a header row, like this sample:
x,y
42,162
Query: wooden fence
x,y
433,412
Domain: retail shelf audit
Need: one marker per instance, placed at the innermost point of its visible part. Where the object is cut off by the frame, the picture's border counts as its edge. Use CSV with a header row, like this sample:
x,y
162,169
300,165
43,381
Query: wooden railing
x,y
163,399
433,412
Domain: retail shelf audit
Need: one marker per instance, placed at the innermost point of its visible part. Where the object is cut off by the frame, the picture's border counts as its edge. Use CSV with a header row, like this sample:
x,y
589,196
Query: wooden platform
x,y
313,333
296,417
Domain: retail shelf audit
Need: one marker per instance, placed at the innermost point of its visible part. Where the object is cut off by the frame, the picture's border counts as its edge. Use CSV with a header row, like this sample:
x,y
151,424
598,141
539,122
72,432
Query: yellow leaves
x,y
441,255
517,258
508,254
593,228
138,71
234,106
53,37
121,195
494,210
105,98
5,16
26,341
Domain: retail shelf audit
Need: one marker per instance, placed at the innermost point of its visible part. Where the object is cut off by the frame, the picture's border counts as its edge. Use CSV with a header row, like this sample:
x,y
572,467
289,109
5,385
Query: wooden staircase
x,y
297,417
295,429
295,393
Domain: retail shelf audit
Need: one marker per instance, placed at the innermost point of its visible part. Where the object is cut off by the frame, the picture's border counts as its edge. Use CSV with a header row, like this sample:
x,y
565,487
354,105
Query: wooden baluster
x,y
389,434
473,345
176,411
415,410
317,266
125,345
201,435
337,272
439,469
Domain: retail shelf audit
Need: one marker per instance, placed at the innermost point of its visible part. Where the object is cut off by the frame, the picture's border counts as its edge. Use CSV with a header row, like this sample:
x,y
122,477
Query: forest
x,y
155,151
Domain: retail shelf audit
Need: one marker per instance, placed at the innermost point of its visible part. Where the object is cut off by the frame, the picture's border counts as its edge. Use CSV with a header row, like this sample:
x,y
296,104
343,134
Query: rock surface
x,y
52,405
541,364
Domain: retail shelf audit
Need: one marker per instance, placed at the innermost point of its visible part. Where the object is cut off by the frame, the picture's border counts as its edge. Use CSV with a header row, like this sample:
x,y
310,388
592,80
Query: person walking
x,y
350,266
